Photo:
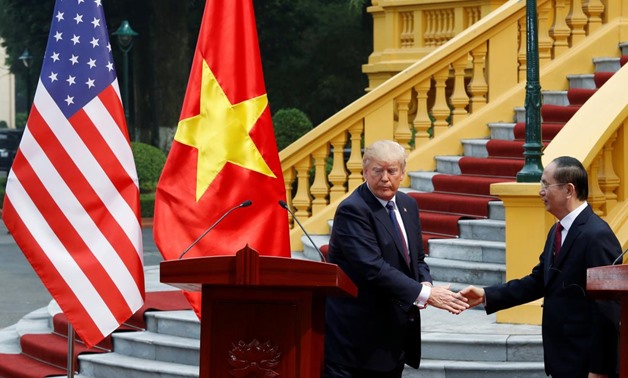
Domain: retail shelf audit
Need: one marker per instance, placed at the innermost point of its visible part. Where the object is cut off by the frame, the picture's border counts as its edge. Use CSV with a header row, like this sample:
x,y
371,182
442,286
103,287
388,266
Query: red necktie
x,y
391,212
557,239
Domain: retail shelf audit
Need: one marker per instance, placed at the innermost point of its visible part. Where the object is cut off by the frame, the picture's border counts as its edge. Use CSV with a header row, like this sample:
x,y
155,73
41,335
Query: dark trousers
x,y
333,370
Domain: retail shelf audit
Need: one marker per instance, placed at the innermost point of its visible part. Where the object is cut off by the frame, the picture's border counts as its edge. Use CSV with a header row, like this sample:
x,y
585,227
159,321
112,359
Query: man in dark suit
x,y
376,241
580,334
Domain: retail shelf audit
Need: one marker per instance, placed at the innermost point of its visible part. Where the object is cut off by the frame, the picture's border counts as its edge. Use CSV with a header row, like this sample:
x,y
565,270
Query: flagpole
x,y
70,363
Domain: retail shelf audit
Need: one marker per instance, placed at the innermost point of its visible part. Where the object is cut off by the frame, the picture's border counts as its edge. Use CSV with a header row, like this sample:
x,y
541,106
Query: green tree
x,y
312,52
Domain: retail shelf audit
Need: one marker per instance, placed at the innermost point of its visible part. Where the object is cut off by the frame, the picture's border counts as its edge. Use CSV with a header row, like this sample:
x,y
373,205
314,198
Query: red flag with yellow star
x,y
224,150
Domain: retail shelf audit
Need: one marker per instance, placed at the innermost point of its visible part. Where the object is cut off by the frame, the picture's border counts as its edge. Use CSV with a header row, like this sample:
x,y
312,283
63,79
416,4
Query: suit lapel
x,y
405,216
381,215
550,262
554,266
572,235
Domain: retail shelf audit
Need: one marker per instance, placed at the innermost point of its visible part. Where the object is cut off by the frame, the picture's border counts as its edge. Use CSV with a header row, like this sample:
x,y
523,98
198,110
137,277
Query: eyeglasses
x,y
545,186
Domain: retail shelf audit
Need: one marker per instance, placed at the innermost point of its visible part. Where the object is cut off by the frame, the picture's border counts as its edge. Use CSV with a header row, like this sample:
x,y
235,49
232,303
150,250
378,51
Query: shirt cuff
x,y
424,295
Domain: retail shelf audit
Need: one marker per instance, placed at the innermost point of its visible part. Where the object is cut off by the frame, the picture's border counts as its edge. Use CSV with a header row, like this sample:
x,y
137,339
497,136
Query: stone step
x,y
422,181
157,347
121,366
476,273
502,130
448,164
468,250
555,98
584,81
182,323
483,229
475,147
467,369
606,64
496,210
482,347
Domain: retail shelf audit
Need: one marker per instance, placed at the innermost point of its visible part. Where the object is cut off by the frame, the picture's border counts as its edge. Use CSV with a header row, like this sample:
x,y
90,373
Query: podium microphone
x,y
619,258
243,204
285,206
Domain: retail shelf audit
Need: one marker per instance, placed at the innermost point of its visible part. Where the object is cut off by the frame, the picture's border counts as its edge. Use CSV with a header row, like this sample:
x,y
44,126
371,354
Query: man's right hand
x,y
443,298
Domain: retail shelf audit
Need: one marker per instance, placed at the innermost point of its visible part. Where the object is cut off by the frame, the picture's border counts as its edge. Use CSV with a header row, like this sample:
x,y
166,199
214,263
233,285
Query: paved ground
x,y
21,290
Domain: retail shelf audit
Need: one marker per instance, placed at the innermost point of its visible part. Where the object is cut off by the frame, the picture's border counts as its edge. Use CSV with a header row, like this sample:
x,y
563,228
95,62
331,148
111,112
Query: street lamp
x,y
27,60
125,41
533,146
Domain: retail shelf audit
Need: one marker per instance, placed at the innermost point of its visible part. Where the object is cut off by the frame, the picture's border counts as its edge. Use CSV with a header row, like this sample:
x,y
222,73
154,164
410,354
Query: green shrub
x,y
3,184
147,204
290,125
149,162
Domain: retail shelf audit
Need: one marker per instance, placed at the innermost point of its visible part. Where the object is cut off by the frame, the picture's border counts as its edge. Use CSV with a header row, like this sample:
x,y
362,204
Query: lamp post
x,y
27,60
125,41
532,167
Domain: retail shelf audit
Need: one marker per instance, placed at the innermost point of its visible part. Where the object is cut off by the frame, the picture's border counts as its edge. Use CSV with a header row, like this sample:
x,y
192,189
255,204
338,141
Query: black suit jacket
x,y
380,327
579,334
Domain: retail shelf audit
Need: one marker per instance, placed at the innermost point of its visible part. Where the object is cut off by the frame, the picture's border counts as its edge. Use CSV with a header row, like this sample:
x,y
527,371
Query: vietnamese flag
x,y
224,150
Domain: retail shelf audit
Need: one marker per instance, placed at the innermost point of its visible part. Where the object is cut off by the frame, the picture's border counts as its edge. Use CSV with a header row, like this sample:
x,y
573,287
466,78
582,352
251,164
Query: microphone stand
x,y
285,206
243,204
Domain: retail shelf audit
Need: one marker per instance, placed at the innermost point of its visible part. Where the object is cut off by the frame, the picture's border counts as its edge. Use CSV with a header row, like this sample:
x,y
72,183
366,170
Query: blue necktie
x,y
391,212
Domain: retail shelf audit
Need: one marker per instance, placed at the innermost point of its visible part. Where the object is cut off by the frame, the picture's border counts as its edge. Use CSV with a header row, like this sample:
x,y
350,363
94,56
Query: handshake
x,y
445,299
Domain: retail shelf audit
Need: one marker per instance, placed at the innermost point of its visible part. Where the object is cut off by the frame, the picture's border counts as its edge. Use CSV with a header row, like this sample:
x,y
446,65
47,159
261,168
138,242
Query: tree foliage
x,y
312,52
290,125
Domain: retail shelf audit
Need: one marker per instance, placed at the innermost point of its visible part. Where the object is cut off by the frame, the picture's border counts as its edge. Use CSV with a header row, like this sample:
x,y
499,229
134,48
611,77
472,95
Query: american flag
x,y
72,197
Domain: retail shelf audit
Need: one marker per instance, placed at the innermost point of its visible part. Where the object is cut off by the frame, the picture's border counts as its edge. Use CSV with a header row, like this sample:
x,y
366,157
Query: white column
x,y
7,92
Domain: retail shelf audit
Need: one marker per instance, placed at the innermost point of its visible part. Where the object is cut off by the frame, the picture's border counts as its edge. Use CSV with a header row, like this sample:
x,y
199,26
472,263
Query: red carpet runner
x,y
466,196
45,355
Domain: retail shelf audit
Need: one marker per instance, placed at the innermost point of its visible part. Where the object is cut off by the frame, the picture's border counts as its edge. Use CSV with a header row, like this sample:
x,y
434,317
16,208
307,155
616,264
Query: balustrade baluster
x,y
440,110
478,87
402,131
545,41
459,98
338,174
428,37
288,178
451,24
609,181
522,55
560,31
596,198
577,20
440,28
302,200
354,165
320,187
594,10
422,121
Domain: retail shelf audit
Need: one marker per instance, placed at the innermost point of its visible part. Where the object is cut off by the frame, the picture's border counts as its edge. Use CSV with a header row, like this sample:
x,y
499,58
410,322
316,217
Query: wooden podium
x,y
611,282
261,316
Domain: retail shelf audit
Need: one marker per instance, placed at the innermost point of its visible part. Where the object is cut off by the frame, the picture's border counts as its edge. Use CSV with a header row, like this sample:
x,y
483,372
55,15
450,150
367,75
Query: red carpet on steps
x,y
466,196
45,355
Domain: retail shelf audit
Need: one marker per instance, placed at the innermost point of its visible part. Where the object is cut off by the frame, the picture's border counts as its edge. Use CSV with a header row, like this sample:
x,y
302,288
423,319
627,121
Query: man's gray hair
x,y
386,151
